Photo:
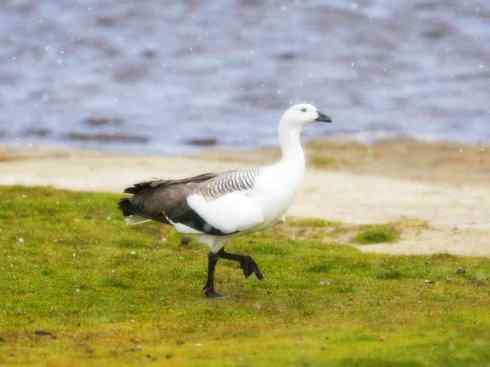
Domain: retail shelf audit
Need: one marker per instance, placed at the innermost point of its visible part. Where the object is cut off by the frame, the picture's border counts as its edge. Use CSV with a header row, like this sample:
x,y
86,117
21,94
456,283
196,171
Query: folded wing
x,y
208,204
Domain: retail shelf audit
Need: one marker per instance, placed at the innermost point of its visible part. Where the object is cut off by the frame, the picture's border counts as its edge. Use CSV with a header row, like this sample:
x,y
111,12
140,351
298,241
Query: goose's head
x,y
302,114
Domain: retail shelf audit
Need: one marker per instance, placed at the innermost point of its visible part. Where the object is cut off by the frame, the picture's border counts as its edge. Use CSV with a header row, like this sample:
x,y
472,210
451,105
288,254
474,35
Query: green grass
x,y
79,288
311,223
377,233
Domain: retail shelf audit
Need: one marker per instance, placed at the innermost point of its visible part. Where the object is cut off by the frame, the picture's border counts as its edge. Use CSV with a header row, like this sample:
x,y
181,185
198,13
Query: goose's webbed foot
x,y
247,264
249,267
210,292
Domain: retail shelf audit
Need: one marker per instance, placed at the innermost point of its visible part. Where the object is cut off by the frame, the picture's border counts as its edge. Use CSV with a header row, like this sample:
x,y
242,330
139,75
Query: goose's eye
x,y
303,109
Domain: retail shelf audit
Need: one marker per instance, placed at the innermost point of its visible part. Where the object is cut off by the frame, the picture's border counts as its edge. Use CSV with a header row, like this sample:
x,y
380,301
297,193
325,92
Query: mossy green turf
x,y
377,233
79,288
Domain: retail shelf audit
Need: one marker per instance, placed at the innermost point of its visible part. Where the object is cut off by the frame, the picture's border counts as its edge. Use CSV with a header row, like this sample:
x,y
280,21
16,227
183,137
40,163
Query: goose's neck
x,y
290,141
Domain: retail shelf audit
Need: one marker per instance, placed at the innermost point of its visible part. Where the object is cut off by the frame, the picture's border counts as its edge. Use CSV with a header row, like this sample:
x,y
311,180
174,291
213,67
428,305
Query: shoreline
x,y
441,162
443,184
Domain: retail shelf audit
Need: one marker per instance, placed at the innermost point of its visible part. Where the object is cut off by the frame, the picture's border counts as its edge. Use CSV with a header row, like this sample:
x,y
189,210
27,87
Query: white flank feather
x,y
182,228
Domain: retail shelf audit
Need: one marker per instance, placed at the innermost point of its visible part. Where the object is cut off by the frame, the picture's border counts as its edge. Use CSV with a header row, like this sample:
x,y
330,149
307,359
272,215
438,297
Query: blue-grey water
x,y
152,76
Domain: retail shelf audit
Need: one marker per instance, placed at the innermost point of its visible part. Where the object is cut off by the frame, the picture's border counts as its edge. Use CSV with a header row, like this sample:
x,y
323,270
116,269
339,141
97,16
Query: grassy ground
x,y
79,288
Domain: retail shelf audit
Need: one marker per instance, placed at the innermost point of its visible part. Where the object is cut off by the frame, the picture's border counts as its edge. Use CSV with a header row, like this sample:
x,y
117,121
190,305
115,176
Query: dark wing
x,y
142,186
162,199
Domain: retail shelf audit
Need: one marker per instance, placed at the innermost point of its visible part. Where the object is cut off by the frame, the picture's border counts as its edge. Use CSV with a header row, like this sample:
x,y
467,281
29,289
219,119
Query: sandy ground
x,y
443,184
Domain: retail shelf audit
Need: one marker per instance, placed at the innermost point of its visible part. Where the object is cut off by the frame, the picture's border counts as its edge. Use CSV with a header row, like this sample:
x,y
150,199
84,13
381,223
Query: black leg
x,y
247,264
209,287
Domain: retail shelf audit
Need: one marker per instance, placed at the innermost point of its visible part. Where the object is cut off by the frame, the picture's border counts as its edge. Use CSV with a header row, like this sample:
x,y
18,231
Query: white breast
x,y
276,187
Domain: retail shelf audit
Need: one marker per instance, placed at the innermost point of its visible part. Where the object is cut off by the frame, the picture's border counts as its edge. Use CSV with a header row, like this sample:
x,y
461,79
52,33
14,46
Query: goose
x,y
215,207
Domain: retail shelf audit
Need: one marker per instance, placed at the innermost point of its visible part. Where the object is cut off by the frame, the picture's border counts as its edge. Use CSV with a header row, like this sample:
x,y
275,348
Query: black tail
x,y
126,207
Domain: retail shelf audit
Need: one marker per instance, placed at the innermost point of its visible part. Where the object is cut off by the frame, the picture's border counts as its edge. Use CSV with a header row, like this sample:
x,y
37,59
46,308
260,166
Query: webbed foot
x,y
212,294
249,267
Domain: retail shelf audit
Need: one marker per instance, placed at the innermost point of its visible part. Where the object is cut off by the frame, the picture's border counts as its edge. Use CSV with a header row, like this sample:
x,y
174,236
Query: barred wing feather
x,y
224,201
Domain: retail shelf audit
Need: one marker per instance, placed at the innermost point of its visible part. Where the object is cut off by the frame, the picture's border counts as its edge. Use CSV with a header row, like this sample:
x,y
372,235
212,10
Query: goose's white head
x,y
302,114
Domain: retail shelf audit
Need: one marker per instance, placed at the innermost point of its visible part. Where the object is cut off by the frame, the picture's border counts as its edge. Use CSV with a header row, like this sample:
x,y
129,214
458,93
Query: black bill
x,y
323,118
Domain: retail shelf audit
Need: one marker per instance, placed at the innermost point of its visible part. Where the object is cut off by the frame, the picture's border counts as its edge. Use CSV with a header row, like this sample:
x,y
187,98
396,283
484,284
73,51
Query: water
x,y
151,76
